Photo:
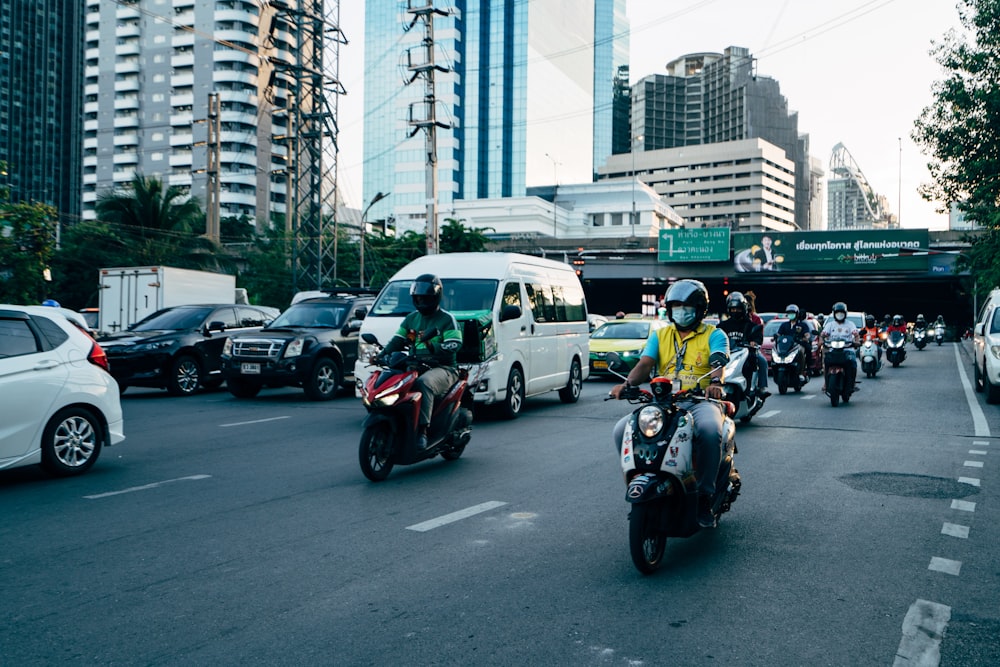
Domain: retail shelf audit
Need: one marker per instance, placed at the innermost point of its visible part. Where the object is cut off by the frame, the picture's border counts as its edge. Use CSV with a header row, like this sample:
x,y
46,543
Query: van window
x,y
559,302
540,300
460,294
512,294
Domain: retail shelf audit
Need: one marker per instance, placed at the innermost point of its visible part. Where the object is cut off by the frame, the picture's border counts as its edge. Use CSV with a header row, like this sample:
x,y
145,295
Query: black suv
x,y
179,348
310,345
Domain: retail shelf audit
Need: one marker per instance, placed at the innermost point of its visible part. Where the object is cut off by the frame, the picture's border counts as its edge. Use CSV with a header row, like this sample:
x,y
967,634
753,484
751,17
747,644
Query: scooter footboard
x,y
645,487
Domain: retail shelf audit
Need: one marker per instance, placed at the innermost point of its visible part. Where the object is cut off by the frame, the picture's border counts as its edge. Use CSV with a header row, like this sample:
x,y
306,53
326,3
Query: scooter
x,y
871,357
920,338
895,348
939,334
788,362
389,432
835,362
745,398
657,459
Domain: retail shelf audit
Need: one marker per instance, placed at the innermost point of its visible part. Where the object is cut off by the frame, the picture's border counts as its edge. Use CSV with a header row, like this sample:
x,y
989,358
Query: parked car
x,y
180,348
626,337
312,345
59,404
986,348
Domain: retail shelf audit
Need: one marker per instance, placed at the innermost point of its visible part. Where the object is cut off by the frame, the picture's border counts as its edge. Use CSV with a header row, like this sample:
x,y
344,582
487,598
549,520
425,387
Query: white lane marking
x,y
955,530
978,418
945,565
146,487
455,516
808,397
980,443
769,413
255,421
963,505
923,629
973,464
968,480
978,452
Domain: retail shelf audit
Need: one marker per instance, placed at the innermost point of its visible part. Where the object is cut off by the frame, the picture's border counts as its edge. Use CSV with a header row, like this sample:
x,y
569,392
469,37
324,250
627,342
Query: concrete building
x,y
40,119
852,203
707,98
747,185
524,92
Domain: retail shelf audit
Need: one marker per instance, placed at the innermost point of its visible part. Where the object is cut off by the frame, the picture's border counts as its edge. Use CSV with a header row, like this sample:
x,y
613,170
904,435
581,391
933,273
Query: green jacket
x,y
442,349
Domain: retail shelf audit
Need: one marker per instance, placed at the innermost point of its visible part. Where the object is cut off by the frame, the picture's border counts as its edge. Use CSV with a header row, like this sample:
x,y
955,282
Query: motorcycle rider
x,y
694,355
742,330
799,330
871,330
841,328
939,322
898,324
440,351
920,323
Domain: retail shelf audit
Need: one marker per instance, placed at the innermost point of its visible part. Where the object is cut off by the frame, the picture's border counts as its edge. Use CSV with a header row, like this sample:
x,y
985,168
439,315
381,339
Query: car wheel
x,y
185,376
571,392
324,381
992,391
242,388
512,405
71,442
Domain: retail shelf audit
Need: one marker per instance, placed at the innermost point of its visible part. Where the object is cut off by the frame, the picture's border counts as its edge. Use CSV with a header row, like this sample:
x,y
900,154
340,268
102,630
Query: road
x,y
227,531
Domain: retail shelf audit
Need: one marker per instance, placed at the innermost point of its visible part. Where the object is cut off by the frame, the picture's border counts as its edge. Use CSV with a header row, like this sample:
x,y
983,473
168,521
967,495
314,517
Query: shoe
x,y
763,393
422,441
706,519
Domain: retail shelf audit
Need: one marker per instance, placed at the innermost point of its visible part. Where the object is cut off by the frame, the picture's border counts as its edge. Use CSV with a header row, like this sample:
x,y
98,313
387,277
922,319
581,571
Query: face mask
x,y
791,316
840,317
683,316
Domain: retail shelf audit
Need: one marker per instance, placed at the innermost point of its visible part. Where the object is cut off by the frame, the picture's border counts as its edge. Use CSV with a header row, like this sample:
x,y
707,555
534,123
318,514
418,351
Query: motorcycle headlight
x,y
294,348
650,421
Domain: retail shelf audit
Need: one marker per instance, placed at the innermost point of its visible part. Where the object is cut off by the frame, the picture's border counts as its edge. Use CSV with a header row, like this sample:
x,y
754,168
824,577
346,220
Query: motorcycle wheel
x,y
833,390
782,381
646,544
375,451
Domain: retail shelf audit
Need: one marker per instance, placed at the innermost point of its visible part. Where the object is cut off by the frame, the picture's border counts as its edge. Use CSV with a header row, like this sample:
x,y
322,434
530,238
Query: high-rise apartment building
x,y
524,93
40,120
707,98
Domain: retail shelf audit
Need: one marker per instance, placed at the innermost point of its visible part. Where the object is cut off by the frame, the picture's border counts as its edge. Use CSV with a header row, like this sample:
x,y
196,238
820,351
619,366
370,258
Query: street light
x,y
379,196
635,143
555,187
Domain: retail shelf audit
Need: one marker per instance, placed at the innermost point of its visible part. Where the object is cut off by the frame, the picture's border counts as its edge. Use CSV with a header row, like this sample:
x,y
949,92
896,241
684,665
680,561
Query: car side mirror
x,y
359,313
216,325
352,326
510,312
980,329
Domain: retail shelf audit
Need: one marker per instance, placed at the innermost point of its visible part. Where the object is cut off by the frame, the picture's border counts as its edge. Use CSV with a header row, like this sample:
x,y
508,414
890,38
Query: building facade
x,y
40,119
523,95
852,203
707,98
747,185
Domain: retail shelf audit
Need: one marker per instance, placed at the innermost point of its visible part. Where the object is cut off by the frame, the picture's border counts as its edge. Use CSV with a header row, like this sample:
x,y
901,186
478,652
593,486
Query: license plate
x,y
600,364
250,369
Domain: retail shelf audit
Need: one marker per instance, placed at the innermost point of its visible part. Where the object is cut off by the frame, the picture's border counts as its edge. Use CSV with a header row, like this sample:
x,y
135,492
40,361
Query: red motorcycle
x,y
392,399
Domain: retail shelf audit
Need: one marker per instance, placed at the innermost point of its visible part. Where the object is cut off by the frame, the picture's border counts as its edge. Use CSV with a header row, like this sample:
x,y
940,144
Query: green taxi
x,y
627,337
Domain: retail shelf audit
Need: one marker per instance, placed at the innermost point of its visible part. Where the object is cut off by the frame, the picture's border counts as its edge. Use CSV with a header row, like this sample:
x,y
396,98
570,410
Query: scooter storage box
x,y
478,341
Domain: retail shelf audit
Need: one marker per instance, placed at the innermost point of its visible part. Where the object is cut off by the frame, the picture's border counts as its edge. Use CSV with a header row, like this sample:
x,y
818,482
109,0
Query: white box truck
x,y
130,293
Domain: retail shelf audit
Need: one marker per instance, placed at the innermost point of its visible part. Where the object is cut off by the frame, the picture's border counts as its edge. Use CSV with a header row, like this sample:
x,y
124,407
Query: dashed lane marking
x,y
255,421
146,487
978,452
963,505
973,464
923,629
955,530
945,565
455,516
769,413
808,397
969,480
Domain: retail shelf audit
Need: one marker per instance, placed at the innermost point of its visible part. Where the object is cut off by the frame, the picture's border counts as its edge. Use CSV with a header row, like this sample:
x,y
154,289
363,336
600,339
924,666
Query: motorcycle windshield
x,y
784,345
896,338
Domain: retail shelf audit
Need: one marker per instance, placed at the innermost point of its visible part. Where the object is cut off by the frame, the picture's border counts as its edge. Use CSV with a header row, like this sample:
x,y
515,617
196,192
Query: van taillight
x,y
98,357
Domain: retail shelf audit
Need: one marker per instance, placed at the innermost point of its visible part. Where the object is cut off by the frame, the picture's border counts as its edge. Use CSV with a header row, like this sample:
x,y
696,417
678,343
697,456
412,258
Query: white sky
x,y
858,72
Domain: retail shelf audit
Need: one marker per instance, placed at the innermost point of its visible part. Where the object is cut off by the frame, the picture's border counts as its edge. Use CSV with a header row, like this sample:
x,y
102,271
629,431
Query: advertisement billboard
x,y
826,252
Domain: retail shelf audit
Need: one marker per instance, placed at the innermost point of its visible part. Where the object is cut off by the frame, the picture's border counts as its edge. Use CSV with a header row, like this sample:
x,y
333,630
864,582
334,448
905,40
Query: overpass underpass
x,y
633,283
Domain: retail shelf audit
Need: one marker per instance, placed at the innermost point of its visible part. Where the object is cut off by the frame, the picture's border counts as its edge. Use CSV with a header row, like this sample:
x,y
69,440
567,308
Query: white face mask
x,y
683,316
839,316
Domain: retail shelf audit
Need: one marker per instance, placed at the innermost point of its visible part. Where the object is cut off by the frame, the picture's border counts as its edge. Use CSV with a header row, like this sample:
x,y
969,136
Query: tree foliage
x,y
960,131
27,245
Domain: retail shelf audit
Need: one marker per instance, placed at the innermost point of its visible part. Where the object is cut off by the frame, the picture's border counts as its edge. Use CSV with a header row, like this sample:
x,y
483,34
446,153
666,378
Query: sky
x,y
858,72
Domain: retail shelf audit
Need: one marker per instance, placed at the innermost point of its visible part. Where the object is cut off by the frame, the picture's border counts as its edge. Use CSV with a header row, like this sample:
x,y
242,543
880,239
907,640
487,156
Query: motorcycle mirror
x,y
369,338
616,364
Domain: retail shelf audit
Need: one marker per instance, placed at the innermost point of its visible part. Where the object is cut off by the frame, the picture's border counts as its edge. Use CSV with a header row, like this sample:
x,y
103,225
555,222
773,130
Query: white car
x,y
986,344
59,405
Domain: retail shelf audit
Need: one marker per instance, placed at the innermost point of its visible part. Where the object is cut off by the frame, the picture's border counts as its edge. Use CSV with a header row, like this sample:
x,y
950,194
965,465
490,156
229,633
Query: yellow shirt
x,y
692,349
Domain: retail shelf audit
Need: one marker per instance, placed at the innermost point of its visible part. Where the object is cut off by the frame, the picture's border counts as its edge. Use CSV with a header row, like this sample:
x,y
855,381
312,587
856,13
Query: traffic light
x,y
578,265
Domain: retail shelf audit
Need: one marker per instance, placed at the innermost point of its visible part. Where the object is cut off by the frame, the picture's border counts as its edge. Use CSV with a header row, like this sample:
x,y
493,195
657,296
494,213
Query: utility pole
x,y
214,147
427,121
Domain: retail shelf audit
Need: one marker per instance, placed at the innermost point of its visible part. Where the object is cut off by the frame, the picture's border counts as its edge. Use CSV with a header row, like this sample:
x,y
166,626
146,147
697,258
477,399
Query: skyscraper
x,y
524,90
40,82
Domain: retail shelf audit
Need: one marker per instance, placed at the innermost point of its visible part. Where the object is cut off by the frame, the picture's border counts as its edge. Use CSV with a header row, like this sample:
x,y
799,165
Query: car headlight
x,y
995,349
366,351
227,348
294,348
632,353
650,421
151,347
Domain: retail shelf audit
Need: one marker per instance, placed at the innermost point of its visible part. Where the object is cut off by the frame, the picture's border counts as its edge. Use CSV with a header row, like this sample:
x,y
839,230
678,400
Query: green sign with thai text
x,y
834,251
694,245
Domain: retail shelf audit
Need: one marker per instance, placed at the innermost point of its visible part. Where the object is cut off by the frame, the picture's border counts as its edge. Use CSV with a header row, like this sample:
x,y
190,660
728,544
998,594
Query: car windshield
x,y
173,319
995,324
622,330
771,328
460,294
312,314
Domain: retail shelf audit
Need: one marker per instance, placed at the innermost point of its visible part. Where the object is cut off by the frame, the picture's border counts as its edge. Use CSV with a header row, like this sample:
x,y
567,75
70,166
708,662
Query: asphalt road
x,y
227,531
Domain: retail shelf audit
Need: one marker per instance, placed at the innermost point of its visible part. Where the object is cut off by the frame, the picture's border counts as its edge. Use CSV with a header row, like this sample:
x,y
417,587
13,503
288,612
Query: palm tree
x,y
145,204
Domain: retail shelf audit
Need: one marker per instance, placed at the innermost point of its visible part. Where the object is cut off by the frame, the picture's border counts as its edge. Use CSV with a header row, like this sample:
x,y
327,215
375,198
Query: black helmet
x,y
821,318
920,317
792,309
869,320
897,320
737,304
687,293
840,307
426,293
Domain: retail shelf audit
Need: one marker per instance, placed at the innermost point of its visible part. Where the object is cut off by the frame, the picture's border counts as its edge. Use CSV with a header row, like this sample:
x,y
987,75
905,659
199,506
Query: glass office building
x,y
525,91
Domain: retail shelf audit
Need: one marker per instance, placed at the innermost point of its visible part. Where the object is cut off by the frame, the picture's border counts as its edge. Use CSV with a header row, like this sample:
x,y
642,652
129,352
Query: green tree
x,y
456,237
960,131
27,245
267,275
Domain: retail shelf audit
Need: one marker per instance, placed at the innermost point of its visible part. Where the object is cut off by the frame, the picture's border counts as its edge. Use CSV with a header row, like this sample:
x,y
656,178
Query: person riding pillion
x,y
799,331
693,354
440,350
742,331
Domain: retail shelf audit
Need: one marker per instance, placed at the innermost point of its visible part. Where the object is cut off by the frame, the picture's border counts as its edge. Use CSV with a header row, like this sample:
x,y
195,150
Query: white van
x,y
523,318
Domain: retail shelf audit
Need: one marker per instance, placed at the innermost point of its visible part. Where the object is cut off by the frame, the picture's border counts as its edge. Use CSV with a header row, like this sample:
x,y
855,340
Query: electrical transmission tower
x,y
305,87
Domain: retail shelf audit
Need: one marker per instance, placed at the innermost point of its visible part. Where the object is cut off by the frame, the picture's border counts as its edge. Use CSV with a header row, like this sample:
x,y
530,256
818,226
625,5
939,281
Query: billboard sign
x,y
826,252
